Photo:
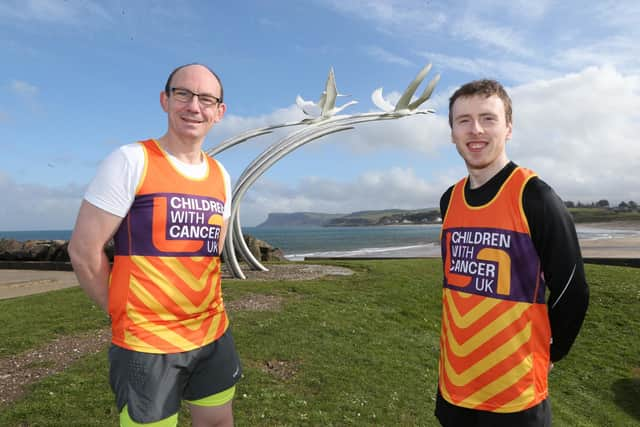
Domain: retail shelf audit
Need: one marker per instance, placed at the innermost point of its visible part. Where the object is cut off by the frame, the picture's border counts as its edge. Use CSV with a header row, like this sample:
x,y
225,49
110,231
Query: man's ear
x,y
510,131
164,101
222,108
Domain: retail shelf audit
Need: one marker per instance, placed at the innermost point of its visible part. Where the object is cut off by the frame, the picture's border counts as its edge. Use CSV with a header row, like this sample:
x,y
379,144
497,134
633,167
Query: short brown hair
x,y
486,88
167,86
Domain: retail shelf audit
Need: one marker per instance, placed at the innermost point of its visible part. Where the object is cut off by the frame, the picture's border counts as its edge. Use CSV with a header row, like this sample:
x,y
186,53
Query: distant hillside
x,y
361,218
581,215
387,217
298,219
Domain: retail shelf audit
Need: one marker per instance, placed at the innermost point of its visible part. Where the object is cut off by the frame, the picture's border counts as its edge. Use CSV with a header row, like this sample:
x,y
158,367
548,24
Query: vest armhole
x,y
227,184
145,166
525,221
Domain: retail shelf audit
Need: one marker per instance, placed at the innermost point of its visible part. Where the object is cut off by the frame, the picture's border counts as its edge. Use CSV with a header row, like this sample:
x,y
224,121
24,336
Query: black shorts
x,y
451,415
153,385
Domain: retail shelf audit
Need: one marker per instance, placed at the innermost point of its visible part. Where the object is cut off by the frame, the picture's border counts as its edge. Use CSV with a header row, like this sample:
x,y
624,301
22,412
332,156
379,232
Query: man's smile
x,y
477,145
191,120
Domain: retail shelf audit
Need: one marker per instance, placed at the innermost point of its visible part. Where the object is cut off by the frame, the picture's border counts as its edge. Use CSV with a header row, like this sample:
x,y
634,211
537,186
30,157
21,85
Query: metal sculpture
x,y
322,121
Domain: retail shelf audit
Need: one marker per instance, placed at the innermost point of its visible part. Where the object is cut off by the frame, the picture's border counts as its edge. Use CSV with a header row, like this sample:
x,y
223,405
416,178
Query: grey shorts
x,y
153,385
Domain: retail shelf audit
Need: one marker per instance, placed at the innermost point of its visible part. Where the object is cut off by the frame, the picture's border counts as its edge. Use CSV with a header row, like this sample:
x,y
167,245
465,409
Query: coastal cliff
x,y
360,218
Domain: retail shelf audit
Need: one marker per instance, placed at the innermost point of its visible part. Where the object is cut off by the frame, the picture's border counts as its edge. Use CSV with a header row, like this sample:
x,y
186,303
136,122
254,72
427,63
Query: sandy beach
x,y
617,240
16,283
624,241
627,247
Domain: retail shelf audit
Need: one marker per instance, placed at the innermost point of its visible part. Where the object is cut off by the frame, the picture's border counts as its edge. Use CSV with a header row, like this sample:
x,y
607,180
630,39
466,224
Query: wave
x,y
597,233
424,250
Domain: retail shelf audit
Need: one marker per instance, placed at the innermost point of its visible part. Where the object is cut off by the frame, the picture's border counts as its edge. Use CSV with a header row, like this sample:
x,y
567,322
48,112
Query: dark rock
x,y
36,250
33,250
61,253
9,249
262,250
57,250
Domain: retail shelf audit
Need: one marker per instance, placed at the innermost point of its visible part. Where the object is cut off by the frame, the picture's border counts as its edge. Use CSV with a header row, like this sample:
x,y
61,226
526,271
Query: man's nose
x,y
194,103
476,127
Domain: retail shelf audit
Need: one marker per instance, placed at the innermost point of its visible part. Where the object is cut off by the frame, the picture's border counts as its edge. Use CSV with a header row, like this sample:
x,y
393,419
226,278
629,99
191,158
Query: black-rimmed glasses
x,y
185,95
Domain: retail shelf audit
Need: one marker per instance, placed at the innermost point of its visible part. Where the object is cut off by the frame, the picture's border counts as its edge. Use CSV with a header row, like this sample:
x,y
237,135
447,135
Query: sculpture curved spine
x,y
320,125
240,190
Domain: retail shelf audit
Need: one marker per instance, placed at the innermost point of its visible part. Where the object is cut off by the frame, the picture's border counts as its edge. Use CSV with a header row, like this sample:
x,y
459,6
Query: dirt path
x,y
19,371
16,283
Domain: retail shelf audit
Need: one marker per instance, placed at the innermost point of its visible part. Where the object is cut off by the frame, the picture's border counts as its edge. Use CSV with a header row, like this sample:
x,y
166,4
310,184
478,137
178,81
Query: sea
x,y
298,243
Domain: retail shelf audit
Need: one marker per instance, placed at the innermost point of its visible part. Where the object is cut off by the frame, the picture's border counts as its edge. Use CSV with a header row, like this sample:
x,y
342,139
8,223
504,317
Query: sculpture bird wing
x,y
326,105
426,94
308,107
329,107
330,94
405,99
336,110
380,102
322,100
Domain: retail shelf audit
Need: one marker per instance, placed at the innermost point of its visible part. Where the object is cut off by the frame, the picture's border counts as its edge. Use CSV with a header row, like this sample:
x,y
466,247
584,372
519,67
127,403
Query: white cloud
x,y
526,9
233,124
383,55
37,207
579,133
619,51
270,23
411,19
394,187
68,12
523,42
24,89
399,17
491,34
421,133
518,71
27,93
618,14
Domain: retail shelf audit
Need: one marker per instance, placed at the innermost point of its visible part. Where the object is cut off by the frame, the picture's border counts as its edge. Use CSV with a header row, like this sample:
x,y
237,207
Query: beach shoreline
x,y
621,241
616,239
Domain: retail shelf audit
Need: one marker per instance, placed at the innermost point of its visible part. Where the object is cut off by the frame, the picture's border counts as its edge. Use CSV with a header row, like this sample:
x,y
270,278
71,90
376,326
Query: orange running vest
x,y
494,345
164,290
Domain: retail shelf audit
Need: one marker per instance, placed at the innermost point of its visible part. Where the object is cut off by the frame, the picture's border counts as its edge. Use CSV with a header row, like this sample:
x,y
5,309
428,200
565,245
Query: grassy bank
x,y
581,215
358,350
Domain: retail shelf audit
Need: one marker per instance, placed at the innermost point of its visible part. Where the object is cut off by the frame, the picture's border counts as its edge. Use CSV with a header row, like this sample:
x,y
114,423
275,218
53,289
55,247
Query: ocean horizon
x,y
297,243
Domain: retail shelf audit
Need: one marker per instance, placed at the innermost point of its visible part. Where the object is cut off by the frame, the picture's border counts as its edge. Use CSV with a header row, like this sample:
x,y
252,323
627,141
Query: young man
x,y
506,237
166,205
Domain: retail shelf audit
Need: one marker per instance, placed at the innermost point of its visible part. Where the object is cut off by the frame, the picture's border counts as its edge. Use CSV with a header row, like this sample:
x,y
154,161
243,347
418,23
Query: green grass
x,y
581,215
362,349
28,322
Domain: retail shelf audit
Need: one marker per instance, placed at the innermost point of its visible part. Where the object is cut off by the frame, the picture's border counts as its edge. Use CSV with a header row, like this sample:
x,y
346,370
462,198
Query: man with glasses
x,y
166,205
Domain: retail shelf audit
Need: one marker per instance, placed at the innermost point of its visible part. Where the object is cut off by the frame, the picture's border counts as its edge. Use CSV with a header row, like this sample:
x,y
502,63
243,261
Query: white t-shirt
x,y
114,186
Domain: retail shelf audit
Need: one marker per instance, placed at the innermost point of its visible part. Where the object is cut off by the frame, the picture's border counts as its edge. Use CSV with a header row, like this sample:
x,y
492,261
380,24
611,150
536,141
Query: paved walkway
x,y
17,283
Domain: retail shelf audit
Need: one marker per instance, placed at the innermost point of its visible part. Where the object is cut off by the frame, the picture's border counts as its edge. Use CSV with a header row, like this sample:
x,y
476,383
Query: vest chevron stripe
x,y
494,346
165,286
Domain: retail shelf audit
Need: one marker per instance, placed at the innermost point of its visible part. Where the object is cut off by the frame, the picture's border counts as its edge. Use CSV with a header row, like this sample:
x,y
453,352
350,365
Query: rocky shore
x,y
53,254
